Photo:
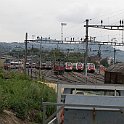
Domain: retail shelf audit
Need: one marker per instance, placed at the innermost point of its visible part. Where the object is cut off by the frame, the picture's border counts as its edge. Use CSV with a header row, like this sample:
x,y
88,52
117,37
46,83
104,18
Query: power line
x,y
101,26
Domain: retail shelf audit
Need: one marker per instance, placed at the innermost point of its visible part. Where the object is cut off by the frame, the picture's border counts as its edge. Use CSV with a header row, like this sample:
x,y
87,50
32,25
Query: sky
x,y
44,18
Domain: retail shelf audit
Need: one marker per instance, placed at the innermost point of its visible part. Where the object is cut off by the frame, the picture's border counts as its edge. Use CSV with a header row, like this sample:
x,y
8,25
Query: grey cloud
x,y
78,13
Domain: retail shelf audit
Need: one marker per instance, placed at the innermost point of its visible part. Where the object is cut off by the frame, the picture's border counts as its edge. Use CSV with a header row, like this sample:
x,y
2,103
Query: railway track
x,y
66,79
77,77
99,78
92,78
71,77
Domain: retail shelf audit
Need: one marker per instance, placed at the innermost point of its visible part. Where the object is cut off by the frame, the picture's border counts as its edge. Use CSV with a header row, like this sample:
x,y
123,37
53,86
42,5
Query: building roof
x,y
119,67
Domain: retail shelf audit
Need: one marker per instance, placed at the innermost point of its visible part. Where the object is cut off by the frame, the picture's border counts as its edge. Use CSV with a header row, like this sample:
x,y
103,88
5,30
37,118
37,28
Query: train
x,y
13,65
91,67
78,66
44,65
48,65
68,66
58,67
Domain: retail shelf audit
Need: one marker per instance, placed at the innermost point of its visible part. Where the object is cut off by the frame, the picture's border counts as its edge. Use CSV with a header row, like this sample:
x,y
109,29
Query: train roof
x,y
68,62
90,63
77,62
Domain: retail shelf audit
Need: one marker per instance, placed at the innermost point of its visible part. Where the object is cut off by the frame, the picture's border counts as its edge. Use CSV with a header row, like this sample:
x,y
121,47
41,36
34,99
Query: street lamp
x,y
62,24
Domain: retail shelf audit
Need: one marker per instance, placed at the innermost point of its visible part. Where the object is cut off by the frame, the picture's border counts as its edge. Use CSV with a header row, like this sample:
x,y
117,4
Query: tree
x,y
104,62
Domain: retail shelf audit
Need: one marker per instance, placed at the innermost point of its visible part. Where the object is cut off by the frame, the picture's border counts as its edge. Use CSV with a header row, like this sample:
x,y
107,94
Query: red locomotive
x,y
58,67
91,67
78,66
68,66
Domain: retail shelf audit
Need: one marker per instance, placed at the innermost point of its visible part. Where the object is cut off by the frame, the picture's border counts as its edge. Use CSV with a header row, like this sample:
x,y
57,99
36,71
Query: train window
x,y
61,64
69,64
79,64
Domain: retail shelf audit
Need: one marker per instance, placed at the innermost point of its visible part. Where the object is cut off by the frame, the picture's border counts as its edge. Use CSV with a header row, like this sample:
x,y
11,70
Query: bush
x,y
24,97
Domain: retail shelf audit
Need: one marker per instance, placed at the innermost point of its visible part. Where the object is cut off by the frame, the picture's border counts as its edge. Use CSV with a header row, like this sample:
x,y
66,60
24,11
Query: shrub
x,y
23,96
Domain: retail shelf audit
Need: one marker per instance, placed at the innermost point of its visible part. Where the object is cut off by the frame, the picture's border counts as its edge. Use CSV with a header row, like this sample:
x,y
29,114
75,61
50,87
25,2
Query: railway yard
x,y
87,88
58,72
68,77
75,78
77,91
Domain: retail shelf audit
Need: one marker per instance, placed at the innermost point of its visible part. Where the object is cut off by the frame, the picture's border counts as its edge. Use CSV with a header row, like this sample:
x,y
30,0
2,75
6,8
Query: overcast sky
x,y
43,18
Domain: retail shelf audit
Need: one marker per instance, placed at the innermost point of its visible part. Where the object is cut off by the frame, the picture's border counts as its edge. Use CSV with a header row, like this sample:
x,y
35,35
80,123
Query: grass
x,y
24,97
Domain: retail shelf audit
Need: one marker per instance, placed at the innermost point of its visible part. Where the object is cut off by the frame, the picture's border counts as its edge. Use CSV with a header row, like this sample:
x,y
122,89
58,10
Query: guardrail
x,y
53,121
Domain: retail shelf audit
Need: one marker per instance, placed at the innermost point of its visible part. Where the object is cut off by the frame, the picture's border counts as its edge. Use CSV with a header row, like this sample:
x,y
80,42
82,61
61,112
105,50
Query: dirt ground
x,y
8,117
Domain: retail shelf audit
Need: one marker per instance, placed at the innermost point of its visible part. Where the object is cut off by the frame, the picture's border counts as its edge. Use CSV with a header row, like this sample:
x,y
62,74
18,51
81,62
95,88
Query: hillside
x,y
106,50
7,117
22,98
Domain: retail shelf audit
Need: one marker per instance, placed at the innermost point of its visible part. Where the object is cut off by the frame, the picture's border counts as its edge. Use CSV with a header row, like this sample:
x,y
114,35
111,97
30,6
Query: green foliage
x,y
1,75
23,96
75,57
56,54
104,62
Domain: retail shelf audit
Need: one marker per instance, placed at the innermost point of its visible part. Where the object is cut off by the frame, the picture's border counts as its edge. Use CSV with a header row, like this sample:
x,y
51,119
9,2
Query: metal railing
x,y
53,118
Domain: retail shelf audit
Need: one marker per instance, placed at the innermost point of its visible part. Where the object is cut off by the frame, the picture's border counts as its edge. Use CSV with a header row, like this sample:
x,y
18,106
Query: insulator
x,y
37,37
120,22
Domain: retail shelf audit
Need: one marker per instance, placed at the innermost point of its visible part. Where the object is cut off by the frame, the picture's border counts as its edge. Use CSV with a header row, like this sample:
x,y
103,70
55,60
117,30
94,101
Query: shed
x,y
115,74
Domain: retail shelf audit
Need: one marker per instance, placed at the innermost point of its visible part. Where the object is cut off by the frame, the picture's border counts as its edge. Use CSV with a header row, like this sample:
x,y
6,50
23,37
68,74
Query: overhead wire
x,y
112,18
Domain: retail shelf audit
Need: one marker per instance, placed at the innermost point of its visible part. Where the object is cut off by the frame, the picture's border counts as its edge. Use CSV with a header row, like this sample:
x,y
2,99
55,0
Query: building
x,y
115,74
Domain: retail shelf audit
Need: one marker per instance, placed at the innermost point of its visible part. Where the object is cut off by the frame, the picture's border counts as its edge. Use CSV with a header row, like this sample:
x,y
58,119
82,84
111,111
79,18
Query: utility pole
x,y
32,62
40,58
86,53
67,54
25,60
99,51
108,27
114,54
122,31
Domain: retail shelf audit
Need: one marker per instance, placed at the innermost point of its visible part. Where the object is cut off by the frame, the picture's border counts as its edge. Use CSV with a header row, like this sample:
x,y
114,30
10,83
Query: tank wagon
x,y
89,104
